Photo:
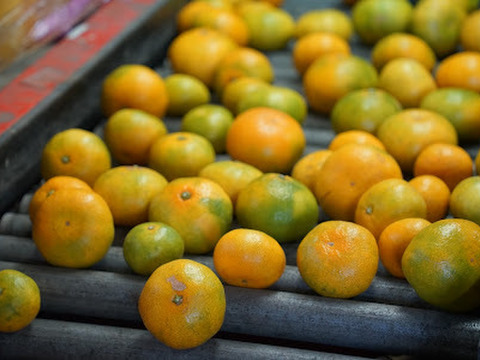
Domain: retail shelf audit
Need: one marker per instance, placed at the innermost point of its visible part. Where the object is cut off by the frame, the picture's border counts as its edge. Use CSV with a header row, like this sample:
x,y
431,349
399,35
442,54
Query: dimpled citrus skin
x,y
442,264
183,304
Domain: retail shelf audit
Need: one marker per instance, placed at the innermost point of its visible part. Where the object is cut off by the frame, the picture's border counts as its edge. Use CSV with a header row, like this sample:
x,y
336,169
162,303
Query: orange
x,y
312,45
393,241
438,22
387,201
180,154
435,193
240,62
347,173
399,45
355,137
461,69
329,20
75,152
338,259
407,80
282,98
449,162
211,121
363,109
278,205
73,228
226,21
189,13
151,244
270,27
464,199
306,168
182,304
441,264
19,300
128,191
266,138
51,186
185,92
231,175
460,106
236,89
134,86
375,19
407,132
198,51
198,208
249,258
129,134
470,32
332,76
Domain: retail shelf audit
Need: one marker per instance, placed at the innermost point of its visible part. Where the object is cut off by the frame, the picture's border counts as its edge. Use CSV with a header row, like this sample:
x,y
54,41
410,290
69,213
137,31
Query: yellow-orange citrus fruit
x,y
449,162
375,19
460,106
363,109
332,76
409,131
231,175
49,187
438,22
249,258
315,44
355,137
338,259
441,264
184,93
435,193
387,201
278,205
198,208
347,173
180,154
464,200
266,138
470,32
407,80
75,152
73,228
461,69
129,134
329,20
19,300
151,244
402,44
128,191
134,86
306,168
182,304
393,241
198,51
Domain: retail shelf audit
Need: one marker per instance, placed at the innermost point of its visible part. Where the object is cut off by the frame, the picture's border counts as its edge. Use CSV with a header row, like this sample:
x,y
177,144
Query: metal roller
x,y
353,324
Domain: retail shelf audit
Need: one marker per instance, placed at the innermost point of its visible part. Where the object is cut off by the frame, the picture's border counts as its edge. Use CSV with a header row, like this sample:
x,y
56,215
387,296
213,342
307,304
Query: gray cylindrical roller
x,y
310,318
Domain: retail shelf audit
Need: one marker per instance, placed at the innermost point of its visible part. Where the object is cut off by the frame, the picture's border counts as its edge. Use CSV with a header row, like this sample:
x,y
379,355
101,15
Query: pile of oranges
x,y
397,185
